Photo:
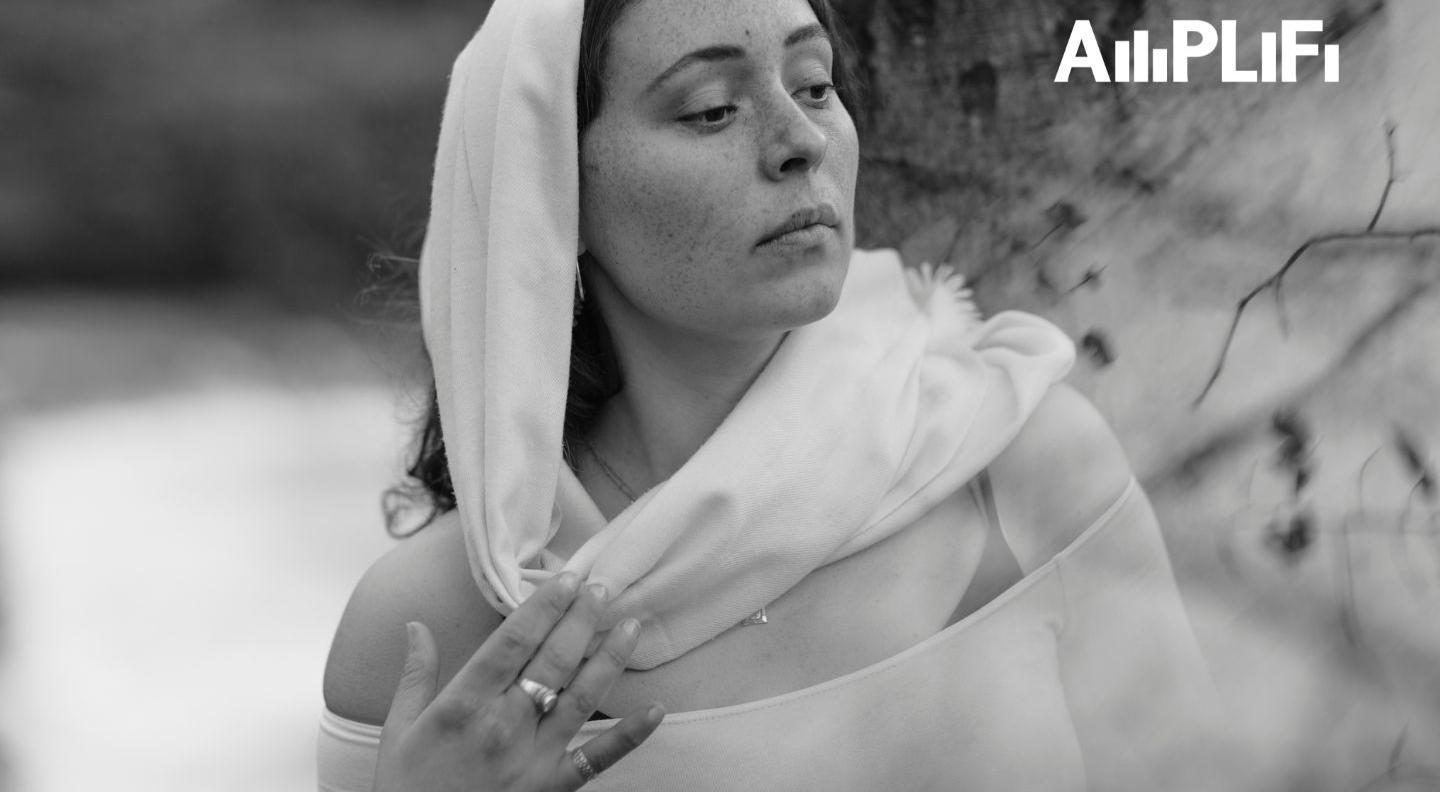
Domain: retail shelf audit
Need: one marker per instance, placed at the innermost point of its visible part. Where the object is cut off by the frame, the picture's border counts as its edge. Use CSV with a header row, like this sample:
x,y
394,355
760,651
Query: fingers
x,y
499,659
580,700
614,743
555,662
417,681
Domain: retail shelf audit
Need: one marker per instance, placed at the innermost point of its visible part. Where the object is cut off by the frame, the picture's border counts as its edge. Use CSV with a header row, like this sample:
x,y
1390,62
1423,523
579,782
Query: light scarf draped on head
x,y
860,423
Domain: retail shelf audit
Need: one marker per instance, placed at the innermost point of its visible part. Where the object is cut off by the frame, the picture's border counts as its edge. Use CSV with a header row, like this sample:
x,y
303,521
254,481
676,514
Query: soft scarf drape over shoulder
x,y
859,424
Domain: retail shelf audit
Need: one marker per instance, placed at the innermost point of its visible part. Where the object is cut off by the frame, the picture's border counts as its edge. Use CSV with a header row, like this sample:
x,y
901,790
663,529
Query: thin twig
x,y
1411,236
1283,316
1349,614
1091,275
1277,280
1398,552
1360,479
1397,770
1389,176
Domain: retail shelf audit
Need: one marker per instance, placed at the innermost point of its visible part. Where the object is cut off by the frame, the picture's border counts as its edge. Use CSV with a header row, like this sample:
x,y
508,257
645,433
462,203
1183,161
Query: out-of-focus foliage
x,y
190,141
162,141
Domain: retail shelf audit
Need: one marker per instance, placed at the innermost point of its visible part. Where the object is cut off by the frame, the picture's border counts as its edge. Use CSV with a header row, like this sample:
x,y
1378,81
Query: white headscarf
x,y
860,423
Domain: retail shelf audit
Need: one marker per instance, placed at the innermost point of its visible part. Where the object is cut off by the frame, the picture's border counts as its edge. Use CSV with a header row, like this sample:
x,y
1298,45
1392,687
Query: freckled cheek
x,y
844,159
677,206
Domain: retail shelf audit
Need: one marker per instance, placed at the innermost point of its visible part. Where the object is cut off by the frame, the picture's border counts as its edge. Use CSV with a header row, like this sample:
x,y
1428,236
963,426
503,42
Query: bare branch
x,y
1389,175
1091,276
1283,316
1277,280
1310,244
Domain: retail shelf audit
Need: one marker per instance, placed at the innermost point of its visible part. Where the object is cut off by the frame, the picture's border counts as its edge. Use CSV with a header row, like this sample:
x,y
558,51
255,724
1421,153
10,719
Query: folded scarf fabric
x,y
859,424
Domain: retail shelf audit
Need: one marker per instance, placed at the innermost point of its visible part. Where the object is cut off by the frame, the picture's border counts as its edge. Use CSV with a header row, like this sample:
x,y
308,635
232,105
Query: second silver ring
x,y
542,696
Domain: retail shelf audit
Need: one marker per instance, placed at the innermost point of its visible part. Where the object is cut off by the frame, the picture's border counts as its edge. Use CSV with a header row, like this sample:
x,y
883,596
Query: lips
x,y
808,222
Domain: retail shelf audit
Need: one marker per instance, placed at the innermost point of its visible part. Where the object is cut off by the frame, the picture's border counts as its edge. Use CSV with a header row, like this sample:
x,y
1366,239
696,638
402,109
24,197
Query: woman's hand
x,y
482,732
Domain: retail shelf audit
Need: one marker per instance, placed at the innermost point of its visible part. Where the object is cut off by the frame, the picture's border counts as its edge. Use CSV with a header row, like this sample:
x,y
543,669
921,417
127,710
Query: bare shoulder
x,y
1060,474
425,578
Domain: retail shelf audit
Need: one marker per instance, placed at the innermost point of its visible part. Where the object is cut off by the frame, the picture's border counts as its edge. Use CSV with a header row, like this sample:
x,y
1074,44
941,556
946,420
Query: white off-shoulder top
x,y
1083,675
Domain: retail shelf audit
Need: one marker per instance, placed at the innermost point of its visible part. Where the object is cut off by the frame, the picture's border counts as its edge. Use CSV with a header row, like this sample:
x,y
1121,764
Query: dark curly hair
x,y
594,374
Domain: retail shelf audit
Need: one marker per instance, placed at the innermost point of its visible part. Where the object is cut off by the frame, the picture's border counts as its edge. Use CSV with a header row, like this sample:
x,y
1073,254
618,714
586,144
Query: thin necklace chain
x,y
758,617
610,472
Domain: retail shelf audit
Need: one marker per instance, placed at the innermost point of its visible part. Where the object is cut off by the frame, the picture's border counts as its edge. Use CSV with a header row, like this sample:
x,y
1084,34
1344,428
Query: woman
x,y
863,538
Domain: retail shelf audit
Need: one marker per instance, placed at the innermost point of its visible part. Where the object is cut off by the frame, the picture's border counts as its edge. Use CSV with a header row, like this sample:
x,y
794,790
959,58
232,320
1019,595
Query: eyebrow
x,y
727,52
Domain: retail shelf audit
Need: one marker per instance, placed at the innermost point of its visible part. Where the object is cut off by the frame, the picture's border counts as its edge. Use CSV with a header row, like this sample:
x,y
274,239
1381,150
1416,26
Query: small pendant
x,y
758,617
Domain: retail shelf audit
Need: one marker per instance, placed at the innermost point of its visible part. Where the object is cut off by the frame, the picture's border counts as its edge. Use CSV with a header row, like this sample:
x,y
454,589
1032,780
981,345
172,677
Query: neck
x,y
678,387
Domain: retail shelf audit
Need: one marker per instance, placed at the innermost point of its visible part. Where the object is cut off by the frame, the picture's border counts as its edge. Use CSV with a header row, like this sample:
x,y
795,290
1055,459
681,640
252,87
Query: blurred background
x,y
206,380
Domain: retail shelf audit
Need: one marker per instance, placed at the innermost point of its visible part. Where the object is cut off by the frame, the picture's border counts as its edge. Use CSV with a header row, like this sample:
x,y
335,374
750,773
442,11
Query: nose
x,y
793,142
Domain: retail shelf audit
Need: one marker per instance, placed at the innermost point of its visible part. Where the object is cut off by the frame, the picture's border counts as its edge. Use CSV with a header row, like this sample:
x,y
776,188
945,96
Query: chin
x,y
808,295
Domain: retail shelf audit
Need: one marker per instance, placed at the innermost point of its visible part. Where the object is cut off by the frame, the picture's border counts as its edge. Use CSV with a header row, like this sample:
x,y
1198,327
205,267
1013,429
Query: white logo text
x,y
1135,61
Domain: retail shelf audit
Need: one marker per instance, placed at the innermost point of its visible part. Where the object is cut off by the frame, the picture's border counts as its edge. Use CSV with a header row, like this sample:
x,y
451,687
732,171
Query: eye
x,y
817,95
710,119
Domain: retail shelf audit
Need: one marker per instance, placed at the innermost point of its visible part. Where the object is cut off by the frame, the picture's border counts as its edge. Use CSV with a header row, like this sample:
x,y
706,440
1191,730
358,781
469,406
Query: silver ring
x,y
582,764
543,697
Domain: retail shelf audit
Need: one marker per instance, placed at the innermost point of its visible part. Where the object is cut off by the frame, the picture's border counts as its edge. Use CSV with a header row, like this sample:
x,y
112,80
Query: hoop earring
x,y
579,297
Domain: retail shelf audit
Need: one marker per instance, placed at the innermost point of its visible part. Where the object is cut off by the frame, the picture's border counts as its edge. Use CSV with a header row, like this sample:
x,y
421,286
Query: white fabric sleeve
x,y
345,754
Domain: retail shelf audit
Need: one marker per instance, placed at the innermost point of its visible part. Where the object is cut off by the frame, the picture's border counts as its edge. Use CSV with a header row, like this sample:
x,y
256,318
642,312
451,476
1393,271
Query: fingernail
x,y
569,582
410,632
599,592
655,714
629,628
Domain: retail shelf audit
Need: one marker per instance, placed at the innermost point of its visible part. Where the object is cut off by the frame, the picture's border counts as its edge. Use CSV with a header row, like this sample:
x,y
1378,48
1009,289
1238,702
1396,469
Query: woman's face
x,y
719,133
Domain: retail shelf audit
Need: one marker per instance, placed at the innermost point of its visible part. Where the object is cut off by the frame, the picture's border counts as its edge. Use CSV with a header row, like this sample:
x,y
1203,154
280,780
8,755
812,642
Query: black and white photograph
x,y
720,395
